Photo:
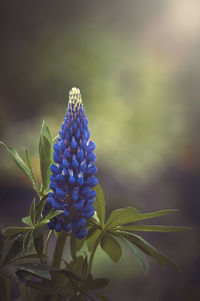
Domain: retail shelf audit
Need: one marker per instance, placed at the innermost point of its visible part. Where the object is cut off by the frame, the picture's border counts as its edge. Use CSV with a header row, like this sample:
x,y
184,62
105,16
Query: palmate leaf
x,y
99,204
45,153
111,247
129,215
147,248
12,231
93,235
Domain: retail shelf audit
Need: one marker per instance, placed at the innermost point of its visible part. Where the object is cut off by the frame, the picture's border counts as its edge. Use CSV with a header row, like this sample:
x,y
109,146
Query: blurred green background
x,y
137,64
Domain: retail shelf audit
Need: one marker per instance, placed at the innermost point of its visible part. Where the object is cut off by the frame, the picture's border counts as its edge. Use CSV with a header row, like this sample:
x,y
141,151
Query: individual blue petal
x,y
67,227
57,204
92,170
82,233
59,225
54,169
91,146
72,180
62,134
75,163
78,133
91,182
74,144
56,147
80,155
60,193
71,130
91,157
84,143
75,195
83,166
62,146
57,158
66,164
80,180
88,214
52,186
67,154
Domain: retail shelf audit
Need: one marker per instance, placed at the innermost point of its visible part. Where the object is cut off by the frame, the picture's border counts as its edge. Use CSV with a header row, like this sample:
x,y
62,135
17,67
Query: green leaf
x,y
49,216
28,242
79,243
122,216
40,207
140,256
18,160
148,249
111,247
45,152
11,231
32,211
14,250
94,284
73,246
99,204
27,220
5,289
153,228
28,159
93,235
129,215
38,243
44,288
39,270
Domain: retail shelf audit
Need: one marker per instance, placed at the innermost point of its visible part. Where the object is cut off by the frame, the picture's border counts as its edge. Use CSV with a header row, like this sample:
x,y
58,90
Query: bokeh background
x,y
137,64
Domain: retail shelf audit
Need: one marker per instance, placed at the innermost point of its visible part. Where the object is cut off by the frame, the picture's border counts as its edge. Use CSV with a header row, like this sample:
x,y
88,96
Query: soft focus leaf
x,y
140,257
153,228
32,211
19,162
129,214
4,289
27,220
28,242
148,249
39,243
28,159
79,243
40,270
44,288
11,231
14,250
49,216
73,246
93,235
99,204
40,207
45,152
111,247
94,284
122,216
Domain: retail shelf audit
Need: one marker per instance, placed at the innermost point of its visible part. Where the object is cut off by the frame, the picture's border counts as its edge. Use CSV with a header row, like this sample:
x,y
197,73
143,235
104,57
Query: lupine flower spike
x,y
73,174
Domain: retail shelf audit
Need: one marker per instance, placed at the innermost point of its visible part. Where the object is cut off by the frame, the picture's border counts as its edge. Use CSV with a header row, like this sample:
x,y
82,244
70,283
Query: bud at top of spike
x,y
75,99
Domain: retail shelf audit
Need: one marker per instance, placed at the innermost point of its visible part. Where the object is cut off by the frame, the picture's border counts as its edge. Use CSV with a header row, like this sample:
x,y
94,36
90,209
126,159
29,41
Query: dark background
x,y
137,65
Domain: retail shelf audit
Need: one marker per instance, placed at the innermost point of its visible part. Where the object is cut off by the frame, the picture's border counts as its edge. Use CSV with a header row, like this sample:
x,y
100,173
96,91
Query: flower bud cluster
x,y
73,174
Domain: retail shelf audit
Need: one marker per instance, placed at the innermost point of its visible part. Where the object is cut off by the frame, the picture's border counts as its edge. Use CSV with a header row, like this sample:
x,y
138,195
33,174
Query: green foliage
x,y
45,153
26,248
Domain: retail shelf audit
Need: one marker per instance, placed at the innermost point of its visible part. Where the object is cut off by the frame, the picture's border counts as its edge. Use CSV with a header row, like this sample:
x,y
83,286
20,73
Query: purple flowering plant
x,y
69,211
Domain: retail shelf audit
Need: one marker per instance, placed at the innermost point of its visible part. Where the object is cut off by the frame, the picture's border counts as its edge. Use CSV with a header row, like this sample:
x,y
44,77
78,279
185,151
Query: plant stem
x,y
59,248
47,242
92,254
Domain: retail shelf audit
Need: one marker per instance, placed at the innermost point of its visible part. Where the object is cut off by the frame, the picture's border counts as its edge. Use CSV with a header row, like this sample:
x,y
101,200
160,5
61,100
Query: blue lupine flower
x,y
73,174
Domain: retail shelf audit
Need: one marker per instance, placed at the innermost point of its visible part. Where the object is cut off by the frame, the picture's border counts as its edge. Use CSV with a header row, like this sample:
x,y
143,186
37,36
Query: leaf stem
x,y
47,242
92,255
